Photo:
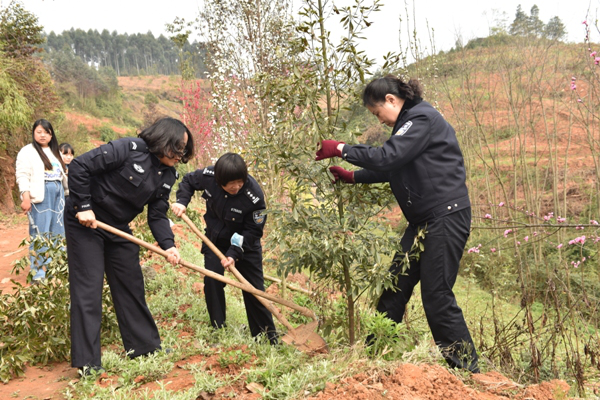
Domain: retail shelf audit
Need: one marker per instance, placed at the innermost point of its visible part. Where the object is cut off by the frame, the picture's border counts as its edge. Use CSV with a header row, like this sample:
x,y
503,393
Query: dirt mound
x,y
433,382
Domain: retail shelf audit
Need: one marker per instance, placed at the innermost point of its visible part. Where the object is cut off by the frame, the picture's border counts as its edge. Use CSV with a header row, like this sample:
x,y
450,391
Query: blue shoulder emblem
x,y
259,216
404,128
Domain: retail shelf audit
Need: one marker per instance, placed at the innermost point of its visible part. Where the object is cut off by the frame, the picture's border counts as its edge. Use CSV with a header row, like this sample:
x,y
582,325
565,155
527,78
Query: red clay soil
x,y
433,382
11,236
408,381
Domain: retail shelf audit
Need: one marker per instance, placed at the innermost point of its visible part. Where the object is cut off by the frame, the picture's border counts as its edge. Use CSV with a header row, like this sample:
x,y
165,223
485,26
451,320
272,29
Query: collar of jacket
x,y
408,104
142,146
156,162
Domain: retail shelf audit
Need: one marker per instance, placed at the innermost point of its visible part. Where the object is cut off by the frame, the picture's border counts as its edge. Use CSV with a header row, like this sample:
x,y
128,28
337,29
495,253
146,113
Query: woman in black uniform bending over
x,y
424,165
235,221
112,184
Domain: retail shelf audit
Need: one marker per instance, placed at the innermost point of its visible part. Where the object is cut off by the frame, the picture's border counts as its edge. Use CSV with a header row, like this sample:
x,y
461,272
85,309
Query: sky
x,y
450,19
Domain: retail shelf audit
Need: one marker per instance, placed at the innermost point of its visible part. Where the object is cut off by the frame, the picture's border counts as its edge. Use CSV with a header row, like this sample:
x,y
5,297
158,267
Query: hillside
x,y
165,88
134,91
85,129
525,115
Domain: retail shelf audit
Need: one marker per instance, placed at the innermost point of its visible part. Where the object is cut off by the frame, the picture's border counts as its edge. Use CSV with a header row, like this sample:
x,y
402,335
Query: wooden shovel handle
x,y
248,288
202,236
237,273
222,256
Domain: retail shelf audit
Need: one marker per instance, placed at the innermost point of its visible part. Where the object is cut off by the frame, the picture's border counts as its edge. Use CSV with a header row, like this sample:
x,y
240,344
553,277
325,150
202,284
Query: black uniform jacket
x,y
421,160
116,181
226,214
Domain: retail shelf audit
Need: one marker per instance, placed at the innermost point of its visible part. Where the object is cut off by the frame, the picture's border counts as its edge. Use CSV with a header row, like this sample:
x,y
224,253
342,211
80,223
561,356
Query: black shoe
x,y
167,350
90,370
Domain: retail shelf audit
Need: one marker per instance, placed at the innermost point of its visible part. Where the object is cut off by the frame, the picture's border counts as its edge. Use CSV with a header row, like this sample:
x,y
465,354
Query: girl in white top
x,y
43,184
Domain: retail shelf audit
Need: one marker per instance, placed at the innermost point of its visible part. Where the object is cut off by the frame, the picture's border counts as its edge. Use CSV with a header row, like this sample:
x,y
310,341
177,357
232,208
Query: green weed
x,y
233,357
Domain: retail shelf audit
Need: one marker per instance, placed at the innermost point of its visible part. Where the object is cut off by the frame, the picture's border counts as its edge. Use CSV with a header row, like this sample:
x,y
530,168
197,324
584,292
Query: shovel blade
x,y
305,339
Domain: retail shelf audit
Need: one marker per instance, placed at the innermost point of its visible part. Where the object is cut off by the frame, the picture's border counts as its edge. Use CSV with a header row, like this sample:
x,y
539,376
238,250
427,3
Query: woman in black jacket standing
x,y
424,165
113,183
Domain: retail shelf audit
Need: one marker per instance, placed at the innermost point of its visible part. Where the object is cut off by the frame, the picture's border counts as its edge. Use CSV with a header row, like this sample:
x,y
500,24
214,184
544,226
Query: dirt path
x,y
47,383
11,236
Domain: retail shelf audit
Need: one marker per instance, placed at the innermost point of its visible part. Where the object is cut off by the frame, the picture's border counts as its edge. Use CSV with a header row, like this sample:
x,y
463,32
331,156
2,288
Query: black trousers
x,y
260,319
437,270
92,253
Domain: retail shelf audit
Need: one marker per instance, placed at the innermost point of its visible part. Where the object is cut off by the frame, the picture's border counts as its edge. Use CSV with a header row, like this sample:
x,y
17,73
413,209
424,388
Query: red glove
x,y
328,150
340,173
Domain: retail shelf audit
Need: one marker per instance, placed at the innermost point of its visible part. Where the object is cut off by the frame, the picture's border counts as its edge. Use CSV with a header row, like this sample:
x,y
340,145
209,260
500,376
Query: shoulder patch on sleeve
x,y
137,144
259,216
404,128
210,172
253,198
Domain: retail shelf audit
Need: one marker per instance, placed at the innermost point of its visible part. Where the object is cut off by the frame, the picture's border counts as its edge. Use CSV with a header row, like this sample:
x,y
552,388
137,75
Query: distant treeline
x,y
127,55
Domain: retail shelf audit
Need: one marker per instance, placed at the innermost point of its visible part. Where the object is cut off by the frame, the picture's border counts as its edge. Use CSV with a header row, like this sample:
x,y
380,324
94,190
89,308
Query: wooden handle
x,y
248,288
222,256
237,273
202,236
287,285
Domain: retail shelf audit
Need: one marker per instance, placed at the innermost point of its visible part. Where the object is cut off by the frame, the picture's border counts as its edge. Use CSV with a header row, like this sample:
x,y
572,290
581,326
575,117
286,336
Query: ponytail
x,y
377,89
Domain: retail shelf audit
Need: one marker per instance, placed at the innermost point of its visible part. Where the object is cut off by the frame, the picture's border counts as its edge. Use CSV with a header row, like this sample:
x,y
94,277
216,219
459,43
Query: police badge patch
x,y
138,168
404,128
259,217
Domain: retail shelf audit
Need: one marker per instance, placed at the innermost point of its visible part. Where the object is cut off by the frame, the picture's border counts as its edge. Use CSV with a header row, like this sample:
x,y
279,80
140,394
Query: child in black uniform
x,y
235,221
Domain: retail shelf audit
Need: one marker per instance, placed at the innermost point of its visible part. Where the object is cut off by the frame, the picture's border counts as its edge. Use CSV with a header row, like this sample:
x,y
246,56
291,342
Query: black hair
x,y
66,148
53,145
165,137
377,89
230,167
